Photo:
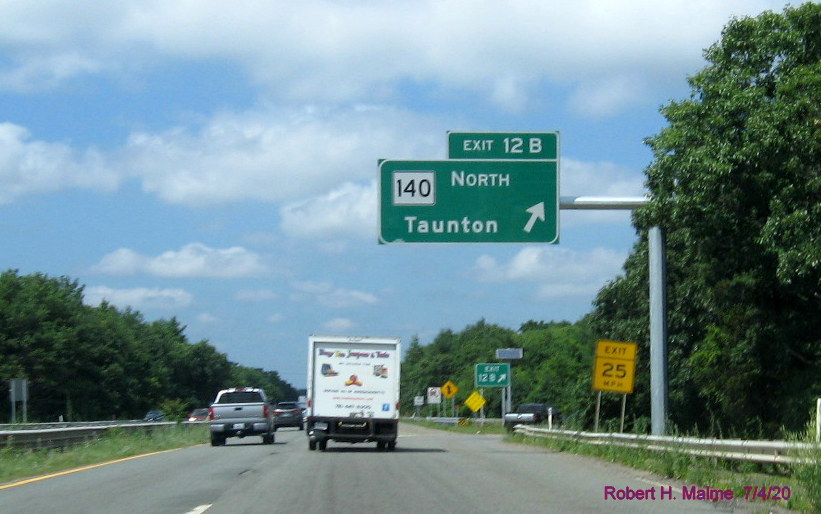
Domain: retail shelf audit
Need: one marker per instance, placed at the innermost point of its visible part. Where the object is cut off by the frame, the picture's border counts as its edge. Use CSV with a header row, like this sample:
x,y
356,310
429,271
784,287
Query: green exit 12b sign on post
x,y
496,374
469,201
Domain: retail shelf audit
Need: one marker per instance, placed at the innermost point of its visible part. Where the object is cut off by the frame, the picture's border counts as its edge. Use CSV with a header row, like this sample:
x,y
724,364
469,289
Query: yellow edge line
x,y
84,468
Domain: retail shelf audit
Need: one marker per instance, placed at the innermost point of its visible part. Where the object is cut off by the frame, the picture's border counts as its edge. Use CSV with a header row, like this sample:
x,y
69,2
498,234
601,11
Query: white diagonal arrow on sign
x,y
536,212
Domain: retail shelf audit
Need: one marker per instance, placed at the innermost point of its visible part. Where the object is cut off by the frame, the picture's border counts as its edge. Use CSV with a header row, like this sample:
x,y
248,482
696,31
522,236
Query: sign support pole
x,y
658,301
818,420
25,402
658,332
13,403
598,408
509,398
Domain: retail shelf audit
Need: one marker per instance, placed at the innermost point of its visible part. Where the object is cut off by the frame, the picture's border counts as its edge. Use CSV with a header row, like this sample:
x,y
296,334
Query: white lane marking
x,y
200,509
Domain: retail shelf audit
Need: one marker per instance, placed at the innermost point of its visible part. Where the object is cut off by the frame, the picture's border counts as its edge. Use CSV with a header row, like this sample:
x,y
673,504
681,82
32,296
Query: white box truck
x,y
353,390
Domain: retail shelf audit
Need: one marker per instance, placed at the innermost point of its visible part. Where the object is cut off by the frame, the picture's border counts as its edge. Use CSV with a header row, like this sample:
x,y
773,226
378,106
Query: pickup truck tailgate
x,y
227,413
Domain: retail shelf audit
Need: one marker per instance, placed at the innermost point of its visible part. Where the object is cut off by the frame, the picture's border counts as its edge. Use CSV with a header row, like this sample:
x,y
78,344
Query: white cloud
x,y
207,318
580,178
339,325
609,95
138,298
273,155
328,51
326,294
192,260
29,166
348,210
557,272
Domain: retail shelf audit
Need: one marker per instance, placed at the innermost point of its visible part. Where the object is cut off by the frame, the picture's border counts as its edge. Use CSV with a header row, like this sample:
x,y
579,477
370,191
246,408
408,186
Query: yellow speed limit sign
x,y
615,366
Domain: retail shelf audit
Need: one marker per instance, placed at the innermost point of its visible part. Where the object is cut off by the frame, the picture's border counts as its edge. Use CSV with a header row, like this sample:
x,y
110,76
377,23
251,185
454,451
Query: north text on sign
x,y
461,179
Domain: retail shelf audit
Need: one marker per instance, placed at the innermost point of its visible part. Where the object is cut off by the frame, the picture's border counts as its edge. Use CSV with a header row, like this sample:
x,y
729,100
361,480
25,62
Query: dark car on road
x,y
198,415
532,414
288,414
154,415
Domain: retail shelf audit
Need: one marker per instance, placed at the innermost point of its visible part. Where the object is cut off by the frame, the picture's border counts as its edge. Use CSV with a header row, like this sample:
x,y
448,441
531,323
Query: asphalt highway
x,y
430,471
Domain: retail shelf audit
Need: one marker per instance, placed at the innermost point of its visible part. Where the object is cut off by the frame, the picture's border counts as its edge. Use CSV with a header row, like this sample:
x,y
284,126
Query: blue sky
x,y
217,161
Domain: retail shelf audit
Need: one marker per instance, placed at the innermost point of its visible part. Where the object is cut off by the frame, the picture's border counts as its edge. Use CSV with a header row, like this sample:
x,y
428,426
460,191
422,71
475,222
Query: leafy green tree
x,y
38,337
556,368
275,388
84,362
735,184
201,373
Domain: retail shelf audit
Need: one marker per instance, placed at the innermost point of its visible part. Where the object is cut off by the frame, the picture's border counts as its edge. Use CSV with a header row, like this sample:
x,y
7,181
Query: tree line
x,y
735,184
556,367
87,363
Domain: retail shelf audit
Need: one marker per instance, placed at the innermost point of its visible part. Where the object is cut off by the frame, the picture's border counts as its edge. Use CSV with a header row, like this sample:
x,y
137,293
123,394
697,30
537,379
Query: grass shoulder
x,y
745,479
18,464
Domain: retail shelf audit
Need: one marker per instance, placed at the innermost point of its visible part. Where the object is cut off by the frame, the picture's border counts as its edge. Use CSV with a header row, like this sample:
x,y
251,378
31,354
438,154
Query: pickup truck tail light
x,y
265,411
211,413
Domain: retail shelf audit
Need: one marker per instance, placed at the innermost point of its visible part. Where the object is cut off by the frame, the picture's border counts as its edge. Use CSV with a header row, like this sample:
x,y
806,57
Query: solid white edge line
x,y
200,509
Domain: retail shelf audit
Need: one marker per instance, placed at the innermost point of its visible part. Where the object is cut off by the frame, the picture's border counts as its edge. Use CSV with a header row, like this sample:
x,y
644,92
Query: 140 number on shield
x,y
414,188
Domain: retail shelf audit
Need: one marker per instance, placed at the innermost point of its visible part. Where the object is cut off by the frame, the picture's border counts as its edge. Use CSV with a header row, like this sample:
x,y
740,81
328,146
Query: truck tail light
x,y
265,411
211,413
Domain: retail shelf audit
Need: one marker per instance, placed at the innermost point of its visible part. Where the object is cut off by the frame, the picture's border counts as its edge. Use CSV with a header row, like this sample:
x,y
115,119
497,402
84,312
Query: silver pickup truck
x,y
241,412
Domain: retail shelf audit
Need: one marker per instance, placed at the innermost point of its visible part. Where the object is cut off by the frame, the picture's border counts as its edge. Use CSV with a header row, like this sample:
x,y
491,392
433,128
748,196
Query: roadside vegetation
x,y
18,464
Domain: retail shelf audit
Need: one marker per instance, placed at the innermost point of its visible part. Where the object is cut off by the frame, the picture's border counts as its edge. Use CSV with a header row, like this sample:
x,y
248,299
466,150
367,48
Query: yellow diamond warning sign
x,y
475,401
449,389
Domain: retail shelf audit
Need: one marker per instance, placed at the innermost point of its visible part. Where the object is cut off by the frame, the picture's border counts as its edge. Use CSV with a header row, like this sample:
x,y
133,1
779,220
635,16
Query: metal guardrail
x,y
772,452
443,420
62,435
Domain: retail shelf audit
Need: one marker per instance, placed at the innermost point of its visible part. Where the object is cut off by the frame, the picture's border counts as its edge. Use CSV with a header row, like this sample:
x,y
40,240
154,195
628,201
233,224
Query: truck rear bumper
x,y
353,430
240,429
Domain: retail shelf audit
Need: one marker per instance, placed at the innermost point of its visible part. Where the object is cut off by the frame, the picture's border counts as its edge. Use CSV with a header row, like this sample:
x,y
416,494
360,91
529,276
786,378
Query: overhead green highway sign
x,y
503,145
469,201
